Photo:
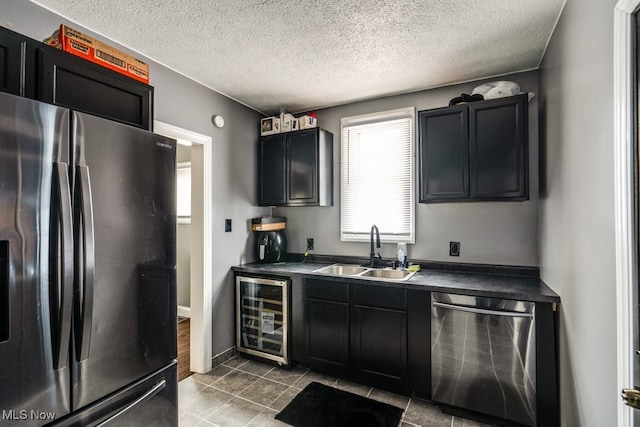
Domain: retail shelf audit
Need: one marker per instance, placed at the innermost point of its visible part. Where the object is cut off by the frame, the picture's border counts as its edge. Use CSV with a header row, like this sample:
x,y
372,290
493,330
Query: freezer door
x,y
125,315
34,305
149,402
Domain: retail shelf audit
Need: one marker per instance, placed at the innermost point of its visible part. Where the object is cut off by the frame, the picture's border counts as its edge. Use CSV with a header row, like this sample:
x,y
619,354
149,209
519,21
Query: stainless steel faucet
x,y
372,255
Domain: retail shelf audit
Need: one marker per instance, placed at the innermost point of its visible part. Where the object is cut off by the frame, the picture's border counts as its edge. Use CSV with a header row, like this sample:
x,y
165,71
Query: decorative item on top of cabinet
x,y
296,169
475,152
287,123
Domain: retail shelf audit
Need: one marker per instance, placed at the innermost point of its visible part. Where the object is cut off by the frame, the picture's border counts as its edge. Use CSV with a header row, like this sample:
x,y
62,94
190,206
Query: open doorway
x,y
183,257
198,297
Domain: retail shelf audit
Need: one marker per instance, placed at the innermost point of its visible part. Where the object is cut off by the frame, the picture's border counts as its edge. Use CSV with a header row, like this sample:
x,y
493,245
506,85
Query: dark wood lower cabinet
x,y
327,327
356,331
379,346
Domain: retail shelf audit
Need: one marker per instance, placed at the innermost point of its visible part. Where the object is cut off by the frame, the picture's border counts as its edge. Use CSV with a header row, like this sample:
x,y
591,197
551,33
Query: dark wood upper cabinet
x,y
13,56
272,170
10,64
75,83
474,152
302,167
498,148
34,70
296,169
444,153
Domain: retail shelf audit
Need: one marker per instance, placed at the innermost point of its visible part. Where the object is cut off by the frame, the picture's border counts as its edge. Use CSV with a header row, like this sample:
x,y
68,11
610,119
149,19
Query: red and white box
x,y
79,44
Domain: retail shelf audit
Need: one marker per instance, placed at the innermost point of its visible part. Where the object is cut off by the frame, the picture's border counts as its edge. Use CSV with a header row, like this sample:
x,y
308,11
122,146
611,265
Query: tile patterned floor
x,y
244,392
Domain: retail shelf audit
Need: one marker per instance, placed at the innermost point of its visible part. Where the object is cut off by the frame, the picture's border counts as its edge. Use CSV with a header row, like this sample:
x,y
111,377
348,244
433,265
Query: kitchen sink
x,y
342,270
365,272
388,274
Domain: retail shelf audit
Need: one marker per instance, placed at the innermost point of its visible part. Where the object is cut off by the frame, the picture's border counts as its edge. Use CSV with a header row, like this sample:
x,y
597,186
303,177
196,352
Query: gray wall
x,y
489,232
577,207
184,103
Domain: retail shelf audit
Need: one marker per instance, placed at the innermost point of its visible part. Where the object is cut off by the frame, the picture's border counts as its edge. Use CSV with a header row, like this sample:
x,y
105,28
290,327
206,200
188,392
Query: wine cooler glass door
x,y
262,310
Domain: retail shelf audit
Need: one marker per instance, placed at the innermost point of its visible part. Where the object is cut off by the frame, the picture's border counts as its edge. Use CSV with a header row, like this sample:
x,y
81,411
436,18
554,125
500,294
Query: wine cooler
x,y
262,312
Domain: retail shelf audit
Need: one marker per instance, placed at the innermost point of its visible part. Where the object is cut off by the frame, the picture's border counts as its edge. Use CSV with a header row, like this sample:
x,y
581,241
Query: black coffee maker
x,y
271,242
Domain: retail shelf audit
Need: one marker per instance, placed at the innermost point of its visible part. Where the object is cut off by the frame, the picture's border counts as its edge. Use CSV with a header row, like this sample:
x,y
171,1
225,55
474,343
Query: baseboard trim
x,y
184,311
220,358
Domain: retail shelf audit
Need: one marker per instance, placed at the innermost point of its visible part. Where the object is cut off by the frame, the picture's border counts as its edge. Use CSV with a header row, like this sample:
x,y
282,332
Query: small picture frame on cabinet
x,y
269,125
287,122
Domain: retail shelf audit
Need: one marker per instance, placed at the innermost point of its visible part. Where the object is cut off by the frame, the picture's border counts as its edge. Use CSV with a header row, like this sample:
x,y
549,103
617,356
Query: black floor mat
x,y
322,406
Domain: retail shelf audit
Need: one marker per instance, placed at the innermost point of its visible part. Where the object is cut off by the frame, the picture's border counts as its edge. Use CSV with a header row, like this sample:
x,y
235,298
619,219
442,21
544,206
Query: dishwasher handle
x,y
482,310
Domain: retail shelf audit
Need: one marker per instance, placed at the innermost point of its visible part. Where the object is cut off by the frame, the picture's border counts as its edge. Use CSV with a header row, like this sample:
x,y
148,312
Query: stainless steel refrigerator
x,y
87,270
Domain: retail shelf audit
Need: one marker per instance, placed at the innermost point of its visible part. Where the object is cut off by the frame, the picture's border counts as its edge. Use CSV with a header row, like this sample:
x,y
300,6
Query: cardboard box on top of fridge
x,y
84,46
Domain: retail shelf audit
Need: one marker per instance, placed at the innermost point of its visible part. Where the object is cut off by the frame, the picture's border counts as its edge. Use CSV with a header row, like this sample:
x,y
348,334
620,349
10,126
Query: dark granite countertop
x,y
520,287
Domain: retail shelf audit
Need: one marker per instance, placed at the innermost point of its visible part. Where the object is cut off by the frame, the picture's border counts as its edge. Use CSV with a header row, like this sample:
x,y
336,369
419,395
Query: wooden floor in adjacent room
x,y
184,354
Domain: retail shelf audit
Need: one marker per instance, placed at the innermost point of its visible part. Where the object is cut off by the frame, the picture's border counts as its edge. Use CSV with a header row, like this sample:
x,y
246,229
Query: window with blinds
x,y
377,176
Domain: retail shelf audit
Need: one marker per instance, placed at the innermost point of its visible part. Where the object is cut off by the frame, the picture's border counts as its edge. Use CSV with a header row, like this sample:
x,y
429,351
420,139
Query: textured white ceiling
x,y
297,56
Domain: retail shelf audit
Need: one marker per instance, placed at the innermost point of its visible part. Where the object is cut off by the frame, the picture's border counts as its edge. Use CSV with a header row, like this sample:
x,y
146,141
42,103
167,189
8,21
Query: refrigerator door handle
x,y
64,281
139,401
85,263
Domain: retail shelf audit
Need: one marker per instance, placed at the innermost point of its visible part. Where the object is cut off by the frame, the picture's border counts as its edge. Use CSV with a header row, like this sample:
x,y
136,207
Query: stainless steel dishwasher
x,y
483,355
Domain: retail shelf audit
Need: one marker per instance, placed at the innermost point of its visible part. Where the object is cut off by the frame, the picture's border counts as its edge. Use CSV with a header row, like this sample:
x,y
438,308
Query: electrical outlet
x,y
309,243
227,225
454,248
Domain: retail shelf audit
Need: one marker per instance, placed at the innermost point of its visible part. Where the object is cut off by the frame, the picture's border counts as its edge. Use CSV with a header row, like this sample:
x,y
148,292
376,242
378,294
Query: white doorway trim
x,y
201,283
624,210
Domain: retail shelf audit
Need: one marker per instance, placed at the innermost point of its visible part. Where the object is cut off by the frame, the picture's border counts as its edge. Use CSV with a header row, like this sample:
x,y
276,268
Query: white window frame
x,y
385,236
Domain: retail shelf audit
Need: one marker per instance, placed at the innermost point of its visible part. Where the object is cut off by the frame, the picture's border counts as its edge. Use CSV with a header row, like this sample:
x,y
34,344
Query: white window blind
x,y
183,175
377,176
